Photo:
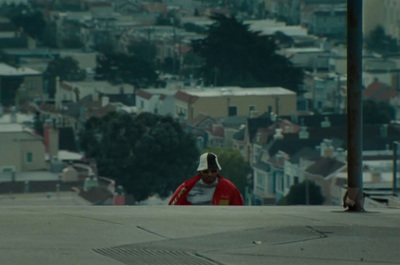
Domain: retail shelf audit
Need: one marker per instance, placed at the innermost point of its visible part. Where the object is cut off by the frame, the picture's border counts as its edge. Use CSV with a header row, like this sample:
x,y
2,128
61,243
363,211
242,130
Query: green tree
x,y
378,41
131,69
66,68
144,51
30,21
233,167
297,194
147,154
377,112
234,55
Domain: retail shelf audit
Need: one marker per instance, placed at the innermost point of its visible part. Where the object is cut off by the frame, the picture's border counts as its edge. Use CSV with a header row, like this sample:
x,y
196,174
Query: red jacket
x,y
225,193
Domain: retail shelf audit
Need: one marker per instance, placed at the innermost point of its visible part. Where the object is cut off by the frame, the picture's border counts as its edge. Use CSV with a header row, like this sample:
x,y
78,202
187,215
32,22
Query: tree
x,y
66,68
233,167
30,21
234,55
377,112
378,41
298,194
144,51
147,154
118,68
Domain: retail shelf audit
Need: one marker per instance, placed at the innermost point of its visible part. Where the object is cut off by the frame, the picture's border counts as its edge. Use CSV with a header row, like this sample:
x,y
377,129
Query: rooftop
x,y
6,70
238,91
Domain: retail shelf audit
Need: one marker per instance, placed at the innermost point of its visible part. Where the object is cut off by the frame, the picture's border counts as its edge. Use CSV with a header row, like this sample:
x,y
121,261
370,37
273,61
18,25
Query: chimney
x,y
383,131
253,113
376,177
326,123
327,149
304,134
57,96
51,139
13,115
278,134
104,101
341,154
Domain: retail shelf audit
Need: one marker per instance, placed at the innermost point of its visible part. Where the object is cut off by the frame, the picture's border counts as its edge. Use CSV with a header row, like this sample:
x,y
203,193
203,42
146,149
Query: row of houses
x,y
289,150
283,146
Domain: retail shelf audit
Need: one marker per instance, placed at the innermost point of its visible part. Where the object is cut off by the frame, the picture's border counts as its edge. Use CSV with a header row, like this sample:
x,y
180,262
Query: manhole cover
x,y
154,257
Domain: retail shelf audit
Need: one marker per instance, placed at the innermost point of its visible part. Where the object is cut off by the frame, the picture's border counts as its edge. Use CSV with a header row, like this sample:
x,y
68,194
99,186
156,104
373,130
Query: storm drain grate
x,y
133,256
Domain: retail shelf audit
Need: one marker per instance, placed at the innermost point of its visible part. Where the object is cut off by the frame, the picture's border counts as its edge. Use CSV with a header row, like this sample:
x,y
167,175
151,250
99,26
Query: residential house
x,y
278,170
75,91
271,27
154,7
232,125
288,124
157,101
238,140
21,149
286,161
380,92
382,70
327,92
209,132
126,7
36,59
329,23
100,9
309,7
19,85
324,169
300,12
311,58
233,101
272,145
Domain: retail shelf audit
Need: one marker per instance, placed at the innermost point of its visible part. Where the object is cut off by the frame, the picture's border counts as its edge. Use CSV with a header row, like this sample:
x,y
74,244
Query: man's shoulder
x,y
226,182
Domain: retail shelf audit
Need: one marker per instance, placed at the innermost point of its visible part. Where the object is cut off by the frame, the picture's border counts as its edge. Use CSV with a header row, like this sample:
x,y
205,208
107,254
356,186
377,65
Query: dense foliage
x,y
66,69
297,194
147,154
121,68
236,56
378,112
378,41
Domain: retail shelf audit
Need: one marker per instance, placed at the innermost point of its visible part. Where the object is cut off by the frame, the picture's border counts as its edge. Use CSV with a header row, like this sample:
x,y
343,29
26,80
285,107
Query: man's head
x,y
208,167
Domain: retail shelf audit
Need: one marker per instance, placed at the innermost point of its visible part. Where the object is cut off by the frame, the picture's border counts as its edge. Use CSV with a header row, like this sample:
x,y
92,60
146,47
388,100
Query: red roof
x,y
66,86
185,97
379,90
144,94
218,131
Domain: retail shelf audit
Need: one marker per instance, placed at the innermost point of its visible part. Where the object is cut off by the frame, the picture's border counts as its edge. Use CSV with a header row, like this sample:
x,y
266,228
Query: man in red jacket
x,y
207,187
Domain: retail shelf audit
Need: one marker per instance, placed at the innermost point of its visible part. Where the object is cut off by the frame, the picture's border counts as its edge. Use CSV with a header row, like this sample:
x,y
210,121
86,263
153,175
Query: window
x,y
296,180
29,157
232,111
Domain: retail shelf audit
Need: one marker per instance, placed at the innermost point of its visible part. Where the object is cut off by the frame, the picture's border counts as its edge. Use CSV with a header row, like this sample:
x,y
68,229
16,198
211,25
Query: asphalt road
x,y
206,235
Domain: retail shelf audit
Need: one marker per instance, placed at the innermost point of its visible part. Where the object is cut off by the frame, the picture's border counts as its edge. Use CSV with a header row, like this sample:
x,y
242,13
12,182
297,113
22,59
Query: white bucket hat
x,y
208,161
